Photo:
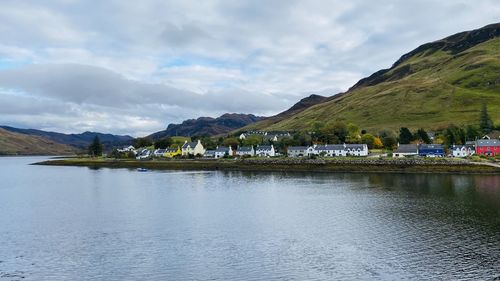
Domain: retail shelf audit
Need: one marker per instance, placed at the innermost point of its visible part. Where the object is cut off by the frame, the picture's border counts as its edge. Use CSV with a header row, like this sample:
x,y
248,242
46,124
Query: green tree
x,y
368,139
353,133
454,135
253,140
485,122
164,143
301,138
340,132
422,135
405,136
95,148
232,142
388,138
472,132
142,142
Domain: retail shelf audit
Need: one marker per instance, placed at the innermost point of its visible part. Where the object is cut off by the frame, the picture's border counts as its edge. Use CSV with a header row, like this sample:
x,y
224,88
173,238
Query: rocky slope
x,y
207,126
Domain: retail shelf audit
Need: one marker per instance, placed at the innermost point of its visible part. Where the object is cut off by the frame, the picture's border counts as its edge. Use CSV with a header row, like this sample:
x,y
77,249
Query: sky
x,y
133,67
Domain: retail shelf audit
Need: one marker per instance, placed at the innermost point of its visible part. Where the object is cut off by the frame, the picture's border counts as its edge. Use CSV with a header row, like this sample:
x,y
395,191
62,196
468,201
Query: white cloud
x,y
148,63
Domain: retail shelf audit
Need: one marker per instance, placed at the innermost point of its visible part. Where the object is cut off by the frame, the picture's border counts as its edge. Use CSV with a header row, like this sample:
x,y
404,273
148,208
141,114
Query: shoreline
x,y
349,165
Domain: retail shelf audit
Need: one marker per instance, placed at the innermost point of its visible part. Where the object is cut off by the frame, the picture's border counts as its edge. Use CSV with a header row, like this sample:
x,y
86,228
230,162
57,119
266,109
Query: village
x,y
487,146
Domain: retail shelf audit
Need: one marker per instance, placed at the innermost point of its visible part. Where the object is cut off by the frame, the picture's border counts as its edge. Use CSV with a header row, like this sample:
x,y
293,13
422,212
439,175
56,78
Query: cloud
x,y
130,67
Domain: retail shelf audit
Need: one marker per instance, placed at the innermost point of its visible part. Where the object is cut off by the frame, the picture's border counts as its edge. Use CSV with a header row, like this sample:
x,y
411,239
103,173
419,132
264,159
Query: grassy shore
x,y
354,165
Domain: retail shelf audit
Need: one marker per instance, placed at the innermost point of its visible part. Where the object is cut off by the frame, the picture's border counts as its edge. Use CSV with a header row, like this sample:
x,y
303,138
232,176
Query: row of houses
x,y
486,147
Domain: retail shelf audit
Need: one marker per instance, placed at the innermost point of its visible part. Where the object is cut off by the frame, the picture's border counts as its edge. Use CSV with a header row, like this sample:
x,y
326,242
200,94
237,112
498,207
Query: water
x,y
74,223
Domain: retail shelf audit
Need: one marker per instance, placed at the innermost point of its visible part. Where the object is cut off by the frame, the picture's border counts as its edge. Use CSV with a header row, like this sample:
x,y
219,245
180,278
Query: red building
x,y
488,147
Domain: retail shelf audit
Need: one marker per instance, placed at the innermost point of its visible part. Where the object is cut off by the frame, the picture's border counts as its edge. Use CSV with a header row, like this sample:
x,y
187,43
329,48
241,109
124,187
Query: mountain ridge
x,y
80,141
207,126
21,144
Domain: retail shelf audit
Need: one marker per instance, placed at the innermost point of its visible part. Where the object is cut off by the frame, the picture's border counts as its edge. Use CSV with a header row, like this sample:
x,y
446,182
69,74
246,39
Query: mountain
x,y
436,84
22,144
207,126
300,106
80,141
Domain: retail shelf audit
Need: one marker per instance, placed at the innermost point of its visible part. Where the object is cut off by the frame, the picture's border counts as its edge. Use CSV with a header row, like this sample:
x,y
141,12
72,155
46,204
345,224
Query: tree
x,y
95,148
377,143
253,140
142,142
454,135
301,138
232,142
405,136
388,138
472,132
164,143
485,122
422,135
369,140
353,133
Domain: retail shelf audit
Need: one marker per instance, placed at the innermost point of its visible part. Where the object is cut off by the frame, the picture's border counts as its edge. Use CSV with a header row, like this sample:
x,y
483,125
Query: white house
x,y
143,154
127,149
406,150
356,149
265,150
192,148
297,151
222,151
462,151
209,154
330,150
245,150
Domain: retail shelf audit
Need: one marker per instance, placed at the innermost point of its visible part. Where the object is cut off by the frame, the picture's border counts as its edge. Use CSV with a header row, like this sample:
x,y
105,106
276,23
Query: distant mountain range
x,y
80,141
437,84
21,144
207,126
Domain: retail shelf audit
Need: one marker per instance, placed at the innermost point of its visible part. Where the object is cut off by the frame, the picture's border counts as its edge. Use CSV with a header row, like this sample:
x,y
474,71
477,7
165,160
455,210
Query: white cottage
x,y
222,151
462,151
265,150
192,148
245,151
297,151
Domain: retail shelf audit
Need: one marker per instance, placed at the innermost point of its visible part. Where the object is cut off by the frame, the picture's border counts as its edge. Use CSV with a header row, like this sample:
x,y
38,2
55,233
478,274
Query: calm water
x,y
69,223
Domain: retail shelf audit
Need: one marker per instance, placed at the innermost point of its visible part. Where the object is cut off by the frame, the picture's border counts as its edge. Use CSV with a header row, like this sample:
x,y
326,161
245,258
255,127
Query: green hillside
x,y
437,84
21,144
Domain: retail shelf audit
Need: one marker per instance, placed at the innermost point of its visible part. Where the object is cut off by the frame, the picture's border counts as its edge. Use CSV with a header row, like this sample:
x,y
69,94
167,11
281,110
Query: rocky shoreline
x,y
352,165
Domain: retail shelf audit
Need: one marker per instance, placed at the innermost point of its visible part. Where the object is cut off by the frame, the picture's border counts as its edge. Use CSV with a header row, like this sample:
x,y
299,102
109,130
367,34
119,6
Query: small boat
x,y
142,170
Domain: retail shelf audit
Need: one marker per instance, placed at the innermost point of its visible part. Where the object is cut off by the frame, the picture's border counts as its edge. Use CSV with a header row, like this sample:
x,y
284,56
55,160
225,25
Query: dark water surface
x,y
73,223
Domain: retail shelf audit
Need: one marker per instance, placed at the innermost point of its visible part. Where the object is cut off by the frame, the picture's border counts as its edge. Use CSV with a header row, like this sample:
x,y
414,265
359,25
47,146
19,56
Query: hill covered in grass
x,y
21,144
437,84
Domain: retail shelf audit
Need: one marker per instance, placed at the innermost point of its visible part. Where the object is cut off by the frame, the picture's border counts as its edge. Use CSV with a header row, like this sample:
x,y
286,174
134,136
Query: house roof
x,y
486,142
190,144
160,151
330,147
171,149
264,147
297,148
245,148
222,149
209,152
355,146
407,148
431,146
